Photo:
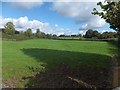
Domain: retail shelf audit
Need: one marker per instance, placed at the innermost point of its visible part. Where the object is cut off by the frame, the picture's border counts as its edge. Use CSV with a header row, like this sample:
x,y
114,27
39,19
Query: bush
x,y
21,37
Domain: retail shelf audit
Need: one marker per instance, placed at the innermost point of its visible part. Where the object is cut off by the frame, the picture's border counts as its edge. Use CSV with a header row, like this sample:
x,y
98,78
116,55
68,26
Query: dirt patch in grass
x,y
65,77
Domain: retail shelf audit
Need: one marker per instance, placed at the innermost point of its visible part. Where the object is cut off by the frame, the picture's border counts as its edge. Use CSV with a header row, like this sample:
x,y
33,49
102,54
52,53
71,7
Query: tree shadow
x,y
67,69
115,50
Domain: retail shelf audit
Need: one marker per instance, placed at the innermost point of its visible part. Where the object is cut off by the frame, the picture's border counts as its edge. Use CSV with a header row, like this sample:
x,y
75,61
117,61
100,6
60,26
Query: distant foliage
x,y
28,33
90,33
38,33
9,33
96,35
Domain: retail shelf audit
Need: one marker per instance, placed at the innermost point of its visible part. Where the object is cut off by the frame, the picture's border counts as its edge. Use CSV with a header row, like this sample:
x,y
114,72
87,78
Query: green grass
x,y
24,58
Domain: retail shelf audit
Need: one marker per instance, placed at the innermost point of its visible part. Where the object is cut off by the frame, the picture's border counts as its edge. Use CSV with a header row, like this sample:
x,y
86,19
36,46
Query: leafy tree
x,y
115,35
9,28
111,34
62,35
73,35
43,35
111,13
96,34
21,36
89,33
107,35
54,36
48,36
38,33
28,33
104,35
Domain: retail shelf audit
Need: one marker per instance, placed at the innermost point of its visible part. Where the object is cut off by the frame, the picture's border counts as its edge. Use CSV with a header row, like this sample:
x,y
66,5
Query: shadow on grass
x,y
61,66
116,45
115,50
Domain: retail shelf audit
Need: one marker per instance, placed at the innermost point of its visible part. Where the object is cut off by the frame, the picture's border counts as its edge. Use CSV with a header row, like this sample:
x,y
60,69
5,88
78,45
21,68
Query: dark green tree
x,y
37,34
43,35
28,33
96,34
104,35
89,33
111,35
62,35
48,36
54,36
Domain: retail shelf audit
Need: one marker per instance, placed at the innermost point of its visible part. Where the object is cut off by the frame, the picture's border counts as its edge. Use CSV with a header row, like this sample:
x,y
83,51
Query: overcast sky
x,y
53,17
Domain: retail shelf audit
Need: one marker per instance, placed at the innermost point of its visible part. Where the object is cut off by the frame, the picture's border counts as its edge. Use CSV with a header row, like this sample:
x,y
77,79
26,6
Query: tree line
x,y
9,32
95,34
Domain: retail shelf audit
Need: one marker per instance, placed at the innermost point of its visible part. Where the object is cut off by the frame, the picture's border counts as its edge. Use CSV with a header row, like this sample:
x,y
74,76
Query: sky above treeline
x,y
56,17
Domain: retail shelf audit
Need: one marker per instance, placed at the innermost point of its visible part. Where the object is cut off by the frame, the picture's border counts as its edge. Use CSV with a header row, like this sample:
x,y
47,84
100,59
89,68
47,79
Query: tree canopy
x,y
28,33
9,28
92,33
111,13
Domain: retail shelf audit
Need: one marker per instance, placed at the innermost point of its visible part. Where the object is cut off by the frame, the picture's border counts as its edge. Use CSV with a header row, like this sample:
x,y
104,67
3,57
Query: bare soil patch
x,y
65,77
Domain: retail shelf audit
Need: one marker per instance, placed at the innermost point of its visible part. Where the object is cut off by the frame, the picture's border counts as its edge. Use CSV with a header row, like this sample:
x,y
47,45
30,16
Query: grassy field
x,y
22,59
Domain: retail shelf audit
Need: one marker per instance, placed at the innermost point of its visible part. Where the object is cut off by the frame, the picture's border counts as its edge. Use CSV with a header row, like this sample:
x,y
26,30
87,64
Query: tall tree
x,y
96,34
105,35
111,13
89,33
28,33
43,35
9,28
38,33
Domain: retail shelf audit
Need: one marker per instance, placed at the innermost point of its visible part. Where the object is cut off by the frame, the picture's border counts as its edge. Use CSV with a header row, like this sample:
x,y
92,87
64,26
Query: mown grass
x,y
25,58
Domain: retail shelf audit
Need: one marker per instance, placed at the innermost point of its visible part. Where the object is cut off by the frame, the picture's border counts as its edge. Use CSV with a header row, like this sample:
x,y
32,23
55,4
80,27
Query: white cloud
x,y
23,23
56,30
102,31
82,32
80,12
93,24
